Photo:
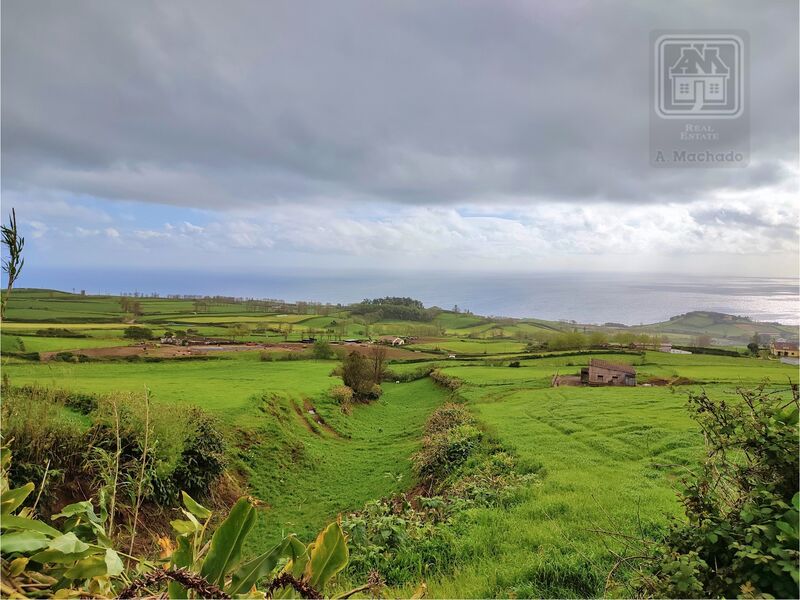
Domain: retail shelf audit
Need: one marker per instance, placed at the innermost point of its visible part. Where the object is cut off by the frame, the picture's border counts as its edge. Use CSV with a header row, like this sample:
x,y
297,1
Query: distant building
x,y
784,348
601,372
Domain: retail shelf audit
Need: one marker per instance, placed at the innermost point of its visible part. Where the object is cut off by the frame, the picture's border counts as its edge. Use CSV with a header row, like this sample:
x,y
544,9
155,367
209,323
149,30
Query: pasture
x,y
610,459
607,459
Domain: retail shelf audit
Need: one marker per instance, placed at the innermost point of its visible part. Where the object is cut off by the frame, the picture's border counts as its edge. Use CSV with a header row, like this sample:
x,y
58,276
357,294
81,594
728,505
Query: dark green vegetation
x,y
480,479
78,559
742,532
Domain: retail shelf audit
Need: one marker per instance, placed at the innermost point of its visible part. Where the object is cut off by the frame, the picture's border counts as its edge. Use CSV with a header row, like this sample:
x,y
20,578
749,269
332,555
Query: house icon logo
x,y
698,76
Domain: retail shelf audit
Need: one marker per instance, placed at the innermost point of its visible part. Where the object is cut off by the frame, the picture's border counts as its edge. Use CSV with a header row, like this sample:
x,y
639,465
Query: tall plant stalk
x,y
117,456
13,264
142,467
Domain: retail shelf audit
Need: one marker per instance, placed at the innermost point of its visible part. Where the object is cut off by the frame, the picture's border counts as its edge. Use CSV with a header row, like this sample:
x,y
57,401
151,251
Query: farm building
x,y
783,348
601,372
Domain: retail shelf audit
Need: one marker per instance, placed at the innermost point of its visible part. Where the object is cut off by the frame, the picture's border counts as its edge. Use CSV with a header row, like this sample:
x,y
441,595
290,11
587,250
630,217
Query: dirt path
x,y
311,410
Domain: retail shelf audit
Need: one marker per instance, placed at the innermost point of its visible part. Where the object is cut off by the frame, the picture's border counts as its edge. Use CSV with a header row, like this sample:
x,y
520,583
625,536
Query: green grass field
x,y
609,458
367,458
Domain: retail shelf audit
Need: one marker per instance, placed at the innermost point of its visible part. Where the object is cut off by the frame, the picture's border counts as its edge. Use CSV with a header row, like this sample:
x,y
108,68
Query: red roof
x,y
785,346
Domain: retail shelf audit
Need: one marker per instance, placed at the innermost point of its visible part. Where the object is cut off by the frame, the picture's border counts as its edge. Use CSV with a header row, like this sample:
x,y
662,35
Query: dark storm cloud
x,y
217,104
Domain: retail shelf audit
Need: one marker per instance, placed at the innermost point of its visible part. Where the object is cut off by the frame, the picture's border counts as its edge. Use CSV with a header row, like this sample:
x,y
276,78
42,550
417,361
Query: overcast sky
x,y
415,134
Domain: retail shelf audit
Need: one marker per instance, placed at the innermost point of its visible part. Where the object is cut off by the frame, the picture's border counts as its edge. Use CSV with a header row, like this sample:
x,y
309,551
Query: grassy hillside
x,y
721,326
610,459
600,459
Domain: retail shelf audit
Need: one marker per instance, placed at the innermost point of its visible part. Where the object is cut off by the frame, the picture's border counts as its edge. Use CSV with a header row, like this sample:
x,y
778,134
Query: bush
x,y
514,364
267,356
741,533
446,381
82,403
186,450
442,453
407,376
450,436
322,350
41,436
59,332
70,357
358,374
203,457
447,417
401,543
342,395
137,333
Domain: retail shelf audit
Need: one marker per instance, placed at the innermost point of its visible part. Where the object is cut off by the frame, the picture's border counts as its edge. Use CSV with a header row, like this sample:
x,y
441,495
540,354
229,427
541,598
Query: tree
x,y
357,374
598,339
753,348
13,264
703,341
239,330
377,357
322,350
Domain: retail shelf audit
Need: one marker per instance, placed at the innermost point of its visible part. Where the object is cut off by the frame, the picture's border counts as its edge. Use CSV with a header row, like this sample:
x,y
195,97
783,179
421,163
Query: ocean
x,y
631,299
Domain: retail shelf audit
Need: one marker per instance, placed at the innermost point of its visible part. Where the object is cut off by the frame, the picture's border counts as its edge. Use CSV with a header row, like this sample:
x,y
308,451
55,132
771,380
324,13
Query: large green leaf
x,y
68,544
79,509
22,541
198,510
182,527
328,556
226,543
114,564
299,552
181,557
15,522
253,570
63,549
11,499
86,568
296,566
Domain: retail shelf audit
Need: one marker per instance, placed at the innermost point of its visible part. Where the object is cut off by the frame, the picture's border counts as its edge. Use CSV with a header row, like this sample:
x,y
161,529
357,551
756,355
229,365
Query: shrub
x,y
358,374
41,436
401,543
267,356
82,403
186,450
322,350
514,364
70,357
447,381
341,394
741,533
137,333
59,332
203,457
407,376
443,452
447,417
